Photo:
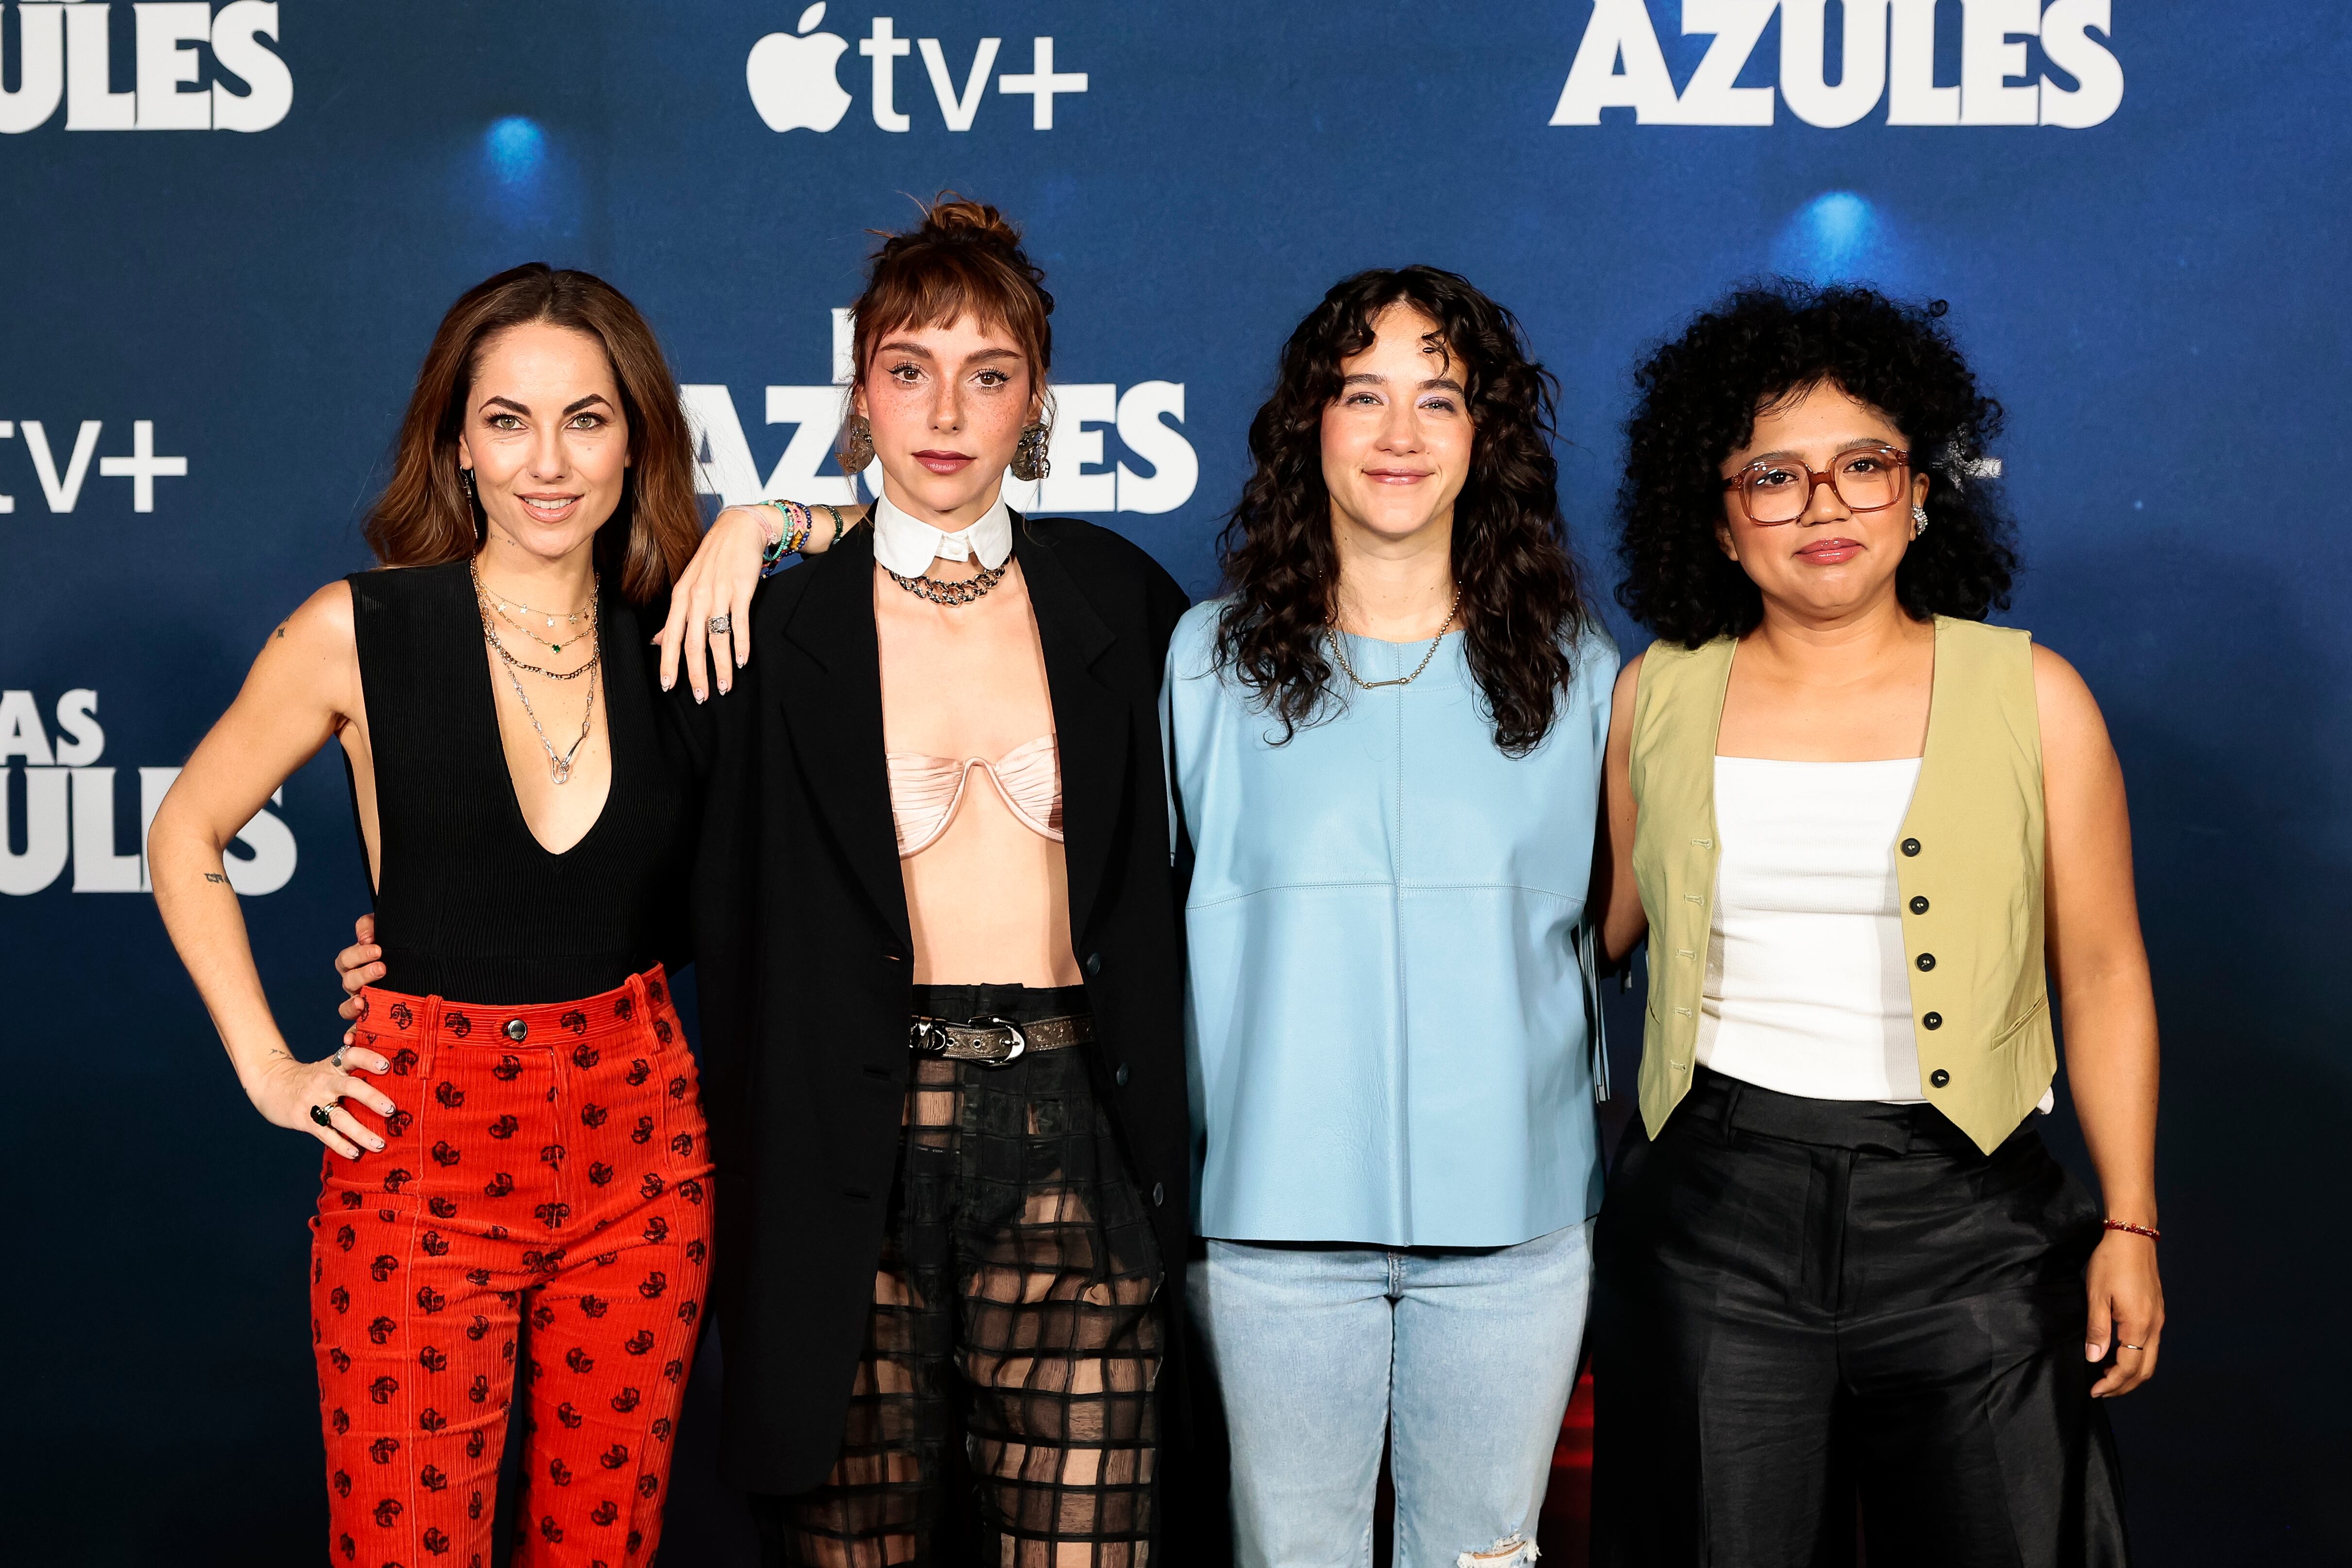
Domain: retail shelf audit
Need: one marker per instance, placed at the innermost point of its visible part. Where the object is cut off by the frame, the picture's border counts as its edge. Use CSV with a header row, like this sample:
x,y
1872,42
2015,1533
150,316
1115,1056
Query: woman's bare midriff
x,y
988,901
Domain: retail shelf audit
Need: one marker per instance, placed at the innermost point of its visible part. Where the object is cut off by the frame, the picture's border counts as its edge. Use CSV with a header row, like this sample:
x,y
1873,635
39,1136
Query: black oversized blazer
x,y
802,949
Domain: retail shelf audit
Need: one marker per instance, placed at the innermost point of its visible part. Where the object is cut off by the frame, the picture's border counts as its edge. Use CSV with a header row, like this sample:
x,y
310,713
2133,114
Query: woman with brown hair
x,y
1385,751
939,963
531,1147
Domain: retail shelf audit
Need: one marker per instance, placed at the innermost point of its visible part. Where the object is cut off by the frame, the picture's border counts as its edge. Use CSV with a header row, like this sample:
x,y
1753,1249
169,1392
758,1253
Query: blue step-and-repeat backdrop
x,y
227,230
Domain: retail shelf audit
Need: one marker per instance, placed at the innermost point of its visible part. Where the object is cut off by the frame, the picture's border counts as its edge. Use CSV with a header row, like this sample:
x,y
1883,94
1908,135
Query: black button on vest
x,y
1120,1077
1094,964
1159,1194
1910,846
1933,1020
1919,905
1939,1077
1927,961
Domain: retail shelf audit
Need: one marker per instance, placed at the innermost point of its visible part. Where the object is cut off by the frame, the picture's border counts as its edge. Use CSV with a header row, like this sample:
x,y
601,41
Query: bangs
x,y
947,283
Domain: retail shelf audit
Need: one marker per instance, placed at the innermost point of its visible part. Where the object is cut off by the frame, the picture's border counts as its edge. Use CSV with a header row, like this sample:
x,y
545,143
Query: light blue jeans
x,y
1464,1359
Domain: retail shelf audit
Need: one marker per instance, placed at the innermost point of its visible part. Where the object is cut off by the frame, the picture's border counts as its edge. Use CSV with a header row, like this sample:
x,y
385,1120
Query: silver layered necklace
x,y
559,765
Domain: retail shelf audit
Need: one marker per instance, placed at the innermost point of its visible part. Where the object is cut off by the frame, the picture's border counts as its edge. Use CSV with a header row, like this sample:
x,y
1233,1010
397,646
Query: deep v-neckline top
x,y
470,903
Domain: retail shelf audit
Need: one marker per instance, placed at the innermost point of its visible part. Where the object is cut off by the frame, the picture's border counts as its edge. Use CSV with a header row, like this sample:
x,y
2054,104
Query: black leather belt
x,y
997,1041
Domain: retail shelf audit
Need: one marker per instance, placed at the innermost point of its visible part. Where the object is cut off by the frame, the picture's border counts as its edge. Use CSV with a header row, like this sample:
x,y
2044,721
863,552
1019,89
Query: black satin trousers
x,y
1820,1323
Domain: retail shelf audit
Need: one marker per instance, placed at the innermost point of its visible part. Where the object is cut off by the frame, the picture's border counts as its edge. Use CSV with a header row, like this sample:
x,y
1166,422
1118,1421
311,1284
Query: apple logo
x,y
792,79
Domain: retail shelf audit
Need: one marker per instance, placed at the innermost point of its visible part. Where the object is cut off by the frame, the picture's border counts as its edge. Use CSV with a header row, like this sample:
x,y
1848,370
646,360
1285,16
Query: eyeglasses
x,y
1778,491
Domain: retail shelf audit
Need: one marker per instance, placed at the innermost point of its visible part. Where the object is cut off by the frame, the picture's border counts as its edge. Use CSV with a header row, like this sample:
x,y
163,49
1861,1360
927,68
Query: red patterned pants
x,y
543,1198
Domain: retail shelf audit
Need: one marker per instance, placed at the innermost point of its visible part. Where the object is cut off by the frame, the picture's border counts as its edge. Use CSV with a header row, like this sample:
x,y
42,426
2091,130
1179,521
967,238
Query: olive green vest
x,y
1968,860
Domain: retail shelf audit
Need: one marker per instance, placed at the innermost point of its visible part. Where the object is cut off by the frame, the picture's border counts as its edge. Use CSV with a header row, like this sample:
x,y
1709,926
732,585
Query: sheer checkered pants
x,y
1003,1411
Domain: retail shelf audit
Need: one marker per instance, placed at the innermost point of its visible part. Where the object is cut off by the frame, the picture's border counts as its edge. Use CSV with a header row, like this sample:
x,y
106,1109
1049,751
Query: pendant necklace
x,y
506,607
559,766
549,643
1340,647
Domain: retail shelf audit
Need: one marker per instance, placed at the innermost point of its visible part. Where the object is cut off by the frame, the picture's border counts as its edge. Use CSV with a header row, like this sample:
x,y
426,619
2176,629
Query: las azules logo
x,y
795,84
71,816
63,54
1887,52
1086,477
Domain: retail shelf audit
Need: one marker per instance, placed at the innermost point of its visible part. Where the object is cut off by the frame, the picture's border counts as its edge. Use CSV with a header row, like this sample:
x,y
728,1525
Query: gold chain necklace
x,y
1340,647
573,618
549,644
559,766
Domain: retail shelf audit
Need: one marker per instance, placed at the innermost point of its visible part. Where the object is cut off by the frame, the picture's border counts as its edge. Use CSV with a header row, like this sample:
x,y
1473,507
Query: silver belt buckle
x,y
966,1042
1019,1041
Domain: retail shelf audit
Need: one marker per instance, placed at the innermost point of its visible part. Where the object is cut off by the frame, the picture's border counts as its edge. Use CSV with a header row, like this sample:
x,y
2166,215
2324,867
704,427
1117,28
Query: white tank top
x,y
1806,990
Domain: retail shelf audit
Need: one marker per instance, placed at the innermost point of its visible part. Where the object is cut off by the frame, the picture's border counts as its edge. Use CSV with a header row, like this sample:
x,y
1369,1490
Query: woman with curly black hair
x,y
1837,1262
1385,753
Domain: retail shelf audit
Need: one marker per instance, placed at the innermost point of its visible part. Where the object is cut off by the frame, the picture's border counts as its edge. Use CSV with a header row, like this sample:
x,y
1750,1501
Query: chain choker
x,y
951,594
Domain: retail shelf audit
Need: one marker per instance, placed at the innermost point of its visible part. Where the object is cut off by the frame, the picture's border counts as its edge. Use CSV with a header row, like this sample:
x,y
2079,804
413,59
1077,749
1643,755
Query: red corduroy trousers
x,y
540,1218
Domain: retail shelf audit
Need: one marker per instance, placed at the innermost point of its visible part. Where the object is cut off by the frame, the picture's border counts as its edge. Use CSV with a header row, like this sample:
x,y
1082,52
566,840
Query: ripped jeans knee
x,y
1514,1551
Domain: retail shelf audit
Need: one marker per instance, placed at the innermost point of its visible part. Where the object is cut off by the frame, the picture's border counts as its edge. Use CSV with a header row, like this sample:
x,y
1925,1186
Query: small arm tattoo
x,y
280,633
216,877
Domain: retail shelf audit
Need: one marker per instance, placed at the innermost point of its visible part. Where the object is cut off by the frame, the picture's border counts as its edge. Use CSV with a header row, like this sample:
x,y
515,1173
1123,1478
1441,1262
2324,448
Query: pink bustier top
x,y
926,791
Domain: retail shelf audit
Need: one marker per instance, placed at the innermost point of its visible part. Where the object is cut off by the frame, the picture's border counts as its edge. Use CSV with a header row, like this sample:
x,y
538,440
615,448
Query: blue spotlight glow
x,y
1836,237
521,180
516,151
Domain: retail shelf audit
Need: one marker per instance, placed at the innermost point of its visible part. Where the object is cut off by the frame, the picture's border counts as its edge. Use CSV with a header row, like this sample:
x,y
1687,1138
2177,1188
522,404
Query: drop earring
x,y
1918,520
1030,463
855,451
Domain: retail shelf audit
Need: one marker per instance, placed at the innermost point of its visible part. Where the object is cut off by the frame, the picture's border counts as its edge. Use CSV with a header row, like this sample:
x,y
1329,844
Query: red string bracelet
x,y
2135,1229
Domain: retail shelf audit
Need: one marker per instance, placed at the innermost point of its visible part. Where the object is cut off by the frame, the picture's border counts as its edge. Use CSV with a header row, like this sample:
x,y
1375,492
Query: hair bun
x,y
957,218
964,257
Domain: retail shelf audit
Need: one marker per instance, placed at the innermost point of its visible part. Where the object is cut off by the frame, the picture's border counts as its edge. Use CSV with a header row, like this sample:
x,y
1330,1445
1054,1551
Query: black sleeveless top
x,y
468,905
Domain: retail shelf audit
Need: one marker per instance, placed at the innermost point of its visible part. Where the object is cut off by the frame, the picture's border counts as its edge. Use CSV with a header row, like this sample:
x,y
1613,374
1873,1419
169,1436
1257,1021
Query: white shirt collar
x,y
908,546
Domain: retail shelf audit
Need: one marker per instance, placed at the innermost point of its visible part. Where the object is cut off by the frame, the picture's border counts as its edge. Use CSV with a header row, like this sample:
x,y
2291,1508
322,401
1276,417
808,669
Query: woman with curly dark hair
x,y
1837,1262
1385,754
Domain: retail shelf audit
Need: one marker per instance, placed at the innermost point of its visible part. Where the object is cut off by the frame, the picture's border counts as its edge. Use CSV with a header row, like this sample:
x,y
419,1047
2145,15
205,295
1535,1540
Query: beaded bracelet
x,y
789,540
2135,1229
839,528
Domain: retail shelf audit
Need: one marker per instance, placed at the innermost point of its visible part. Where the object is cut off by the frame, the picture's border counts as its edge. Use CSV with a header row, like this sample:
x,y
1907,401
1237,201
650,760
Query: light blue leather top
x,y
1386,1002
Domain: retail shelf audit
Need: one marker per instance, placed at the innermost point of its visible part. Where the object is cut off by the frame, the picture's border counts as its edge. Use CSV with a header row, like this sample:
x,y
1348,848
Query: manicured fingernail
x,y
376,1144
2093,1353
667,684
700,696
722,689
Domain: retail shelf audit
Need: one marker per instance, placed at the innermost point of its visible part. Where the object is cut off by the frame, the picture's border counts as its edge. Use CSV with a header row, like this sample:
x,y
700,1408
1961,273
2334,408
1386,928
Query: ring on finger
x,y
718,624
2121,1346
338,1057
319,1113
